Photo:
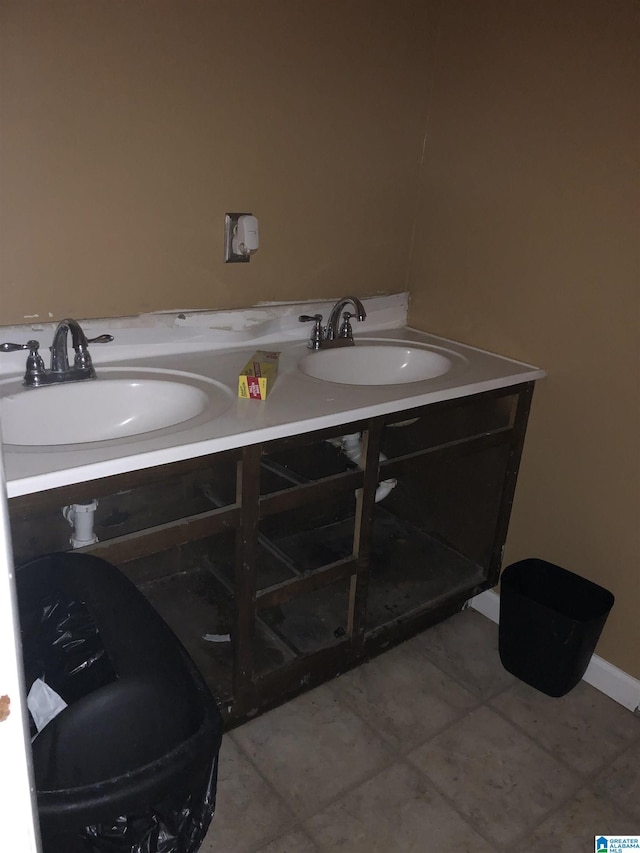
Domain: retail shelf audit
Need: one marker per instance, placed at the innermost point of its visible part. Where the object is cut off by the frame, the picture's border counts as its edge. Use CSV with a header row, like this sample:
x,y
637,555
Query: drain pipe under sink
x,y
80,518
351,446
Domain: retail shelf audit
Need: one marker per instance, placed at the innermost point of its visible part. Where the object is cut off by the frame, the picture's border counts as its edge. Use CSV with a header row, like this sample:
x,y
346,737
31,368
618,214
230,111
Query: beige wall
x,y
527,244
130,128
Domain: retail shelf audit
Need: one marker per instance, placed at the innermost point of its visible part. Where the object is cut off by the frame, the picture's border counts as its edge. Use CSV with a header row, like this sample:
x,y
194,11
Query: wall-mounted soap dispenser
x,y
241,237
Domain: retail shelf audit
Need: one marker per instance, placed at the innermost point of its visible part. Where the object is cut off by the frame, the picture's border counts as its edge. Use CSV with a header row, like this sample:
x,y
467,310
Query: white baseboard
x,y
608,679
487,603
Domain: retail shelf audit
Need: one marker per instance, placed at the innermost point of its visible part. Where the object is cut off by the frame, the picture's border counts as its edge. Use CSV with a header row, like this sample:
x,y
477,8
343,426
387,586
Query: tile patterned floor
x,y
431,746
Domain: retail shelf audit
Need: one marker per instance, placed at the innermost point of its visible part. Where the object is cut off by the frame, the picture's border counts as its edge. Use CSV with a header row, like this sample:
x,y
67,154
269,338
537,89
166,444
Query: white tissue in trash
x,y
44,703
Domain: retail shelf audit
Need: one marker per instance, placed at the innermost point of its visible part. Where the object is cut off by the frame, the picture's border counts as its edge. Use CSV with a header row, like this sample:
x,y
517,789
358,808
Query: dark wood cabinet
x,y
274,563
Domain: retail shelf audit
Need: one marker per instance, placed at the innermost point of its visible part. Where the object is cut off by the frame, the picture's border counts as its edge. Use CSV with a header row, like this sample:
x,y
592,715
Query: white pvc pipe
x,y
384,487
80,518
352,448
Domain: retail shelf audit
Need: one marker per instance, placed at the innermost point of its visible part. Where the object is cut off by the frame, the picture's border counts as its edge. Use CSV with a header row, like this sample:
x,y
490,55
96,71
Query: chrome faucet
x,y
36,375
334,335
60,353
333,332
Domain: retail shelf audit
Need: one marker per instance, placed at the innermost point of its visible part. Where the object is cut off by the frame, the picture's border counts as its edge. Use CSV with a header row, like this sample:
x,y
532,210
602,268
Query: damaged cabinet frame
x,y
282,564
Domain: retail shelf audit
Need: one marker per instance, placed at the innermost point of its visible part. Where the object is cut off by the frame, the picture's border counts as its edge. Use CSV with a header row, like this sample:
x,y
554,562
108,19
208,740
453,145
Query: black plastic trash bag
x,y
130,764
167,828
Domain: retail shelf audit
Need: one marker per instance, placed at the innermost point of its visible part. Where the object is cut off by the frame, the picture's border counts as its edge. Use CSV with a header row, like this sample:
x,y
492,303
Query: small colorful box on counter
x,y
258,375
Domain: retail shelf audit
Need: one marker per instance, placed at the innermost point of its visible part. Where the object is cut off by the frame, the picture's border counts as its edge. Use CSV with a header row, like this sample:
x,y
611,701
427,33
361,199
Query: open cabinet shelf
x,y
275,565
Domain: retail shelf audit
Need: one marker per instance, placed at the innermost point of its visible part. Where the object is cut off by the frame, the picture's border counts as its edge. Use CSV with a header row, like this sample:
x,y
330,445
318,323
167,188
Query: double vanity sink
x,y
365,499
162,397
125,403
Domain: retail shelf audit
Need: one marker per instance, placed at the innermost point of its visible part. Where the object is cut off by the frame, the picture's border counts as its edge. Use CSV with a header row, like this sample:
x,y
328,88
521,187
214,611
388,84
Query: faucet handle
x,y
345,329
82,360
101,339
35,364
30,345
317,335
33,359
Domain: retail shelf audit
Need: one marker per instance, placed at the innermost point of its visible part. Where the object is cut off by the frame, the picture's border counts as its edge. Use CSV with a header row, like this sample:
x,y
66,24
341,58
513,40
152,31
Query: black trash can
x,y
130,764
550,622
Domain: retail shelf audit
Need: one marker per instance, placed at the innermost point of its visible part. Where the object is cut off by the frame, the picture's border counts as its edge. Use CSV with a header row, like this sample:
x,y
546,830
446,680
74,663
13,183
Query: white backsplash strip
x,y
160,333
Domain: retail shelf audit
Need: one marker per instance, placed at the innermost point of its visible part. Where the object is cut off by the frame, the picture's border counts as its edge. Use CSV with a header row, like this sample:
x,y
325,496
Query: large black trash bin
x,y
130,764
550,622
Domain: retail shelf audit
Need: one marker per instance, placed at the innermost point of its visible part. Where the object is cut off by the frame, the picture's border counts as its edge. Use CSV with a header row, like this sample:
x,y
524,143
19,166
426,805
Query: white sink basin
x,y
376,364
119,404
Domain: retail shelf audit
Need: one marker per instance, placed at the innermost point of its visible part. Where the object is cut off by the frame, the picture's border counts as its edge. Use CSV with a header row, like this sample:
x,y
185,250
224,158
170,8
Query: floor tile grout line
x,y
402,753
511,844
399,760
324,805
580,780
396,756
555,810
587,786
390,740
468,821
614,802
441,730
585,775
281,799
445,727
481,698
392,758
580,774
276,836
400,756
461,683
301,821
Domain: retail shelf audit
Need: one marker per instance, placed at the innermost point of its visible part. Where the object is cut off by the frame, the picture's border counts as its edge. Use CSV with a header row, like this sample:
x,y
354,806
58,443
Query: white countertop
x,y
296,404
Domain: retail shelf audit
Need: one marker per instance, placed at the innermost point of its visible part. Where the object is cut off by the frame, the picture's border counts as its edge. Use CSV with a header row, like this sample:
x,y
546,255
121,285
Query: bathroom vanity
x,y
286,541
